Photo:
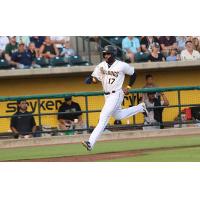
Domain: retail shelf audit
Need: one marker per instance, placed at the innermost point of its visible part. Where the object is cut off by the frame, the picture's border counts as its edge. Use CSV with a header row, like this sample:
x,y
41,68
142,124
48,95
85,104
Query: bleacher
x,y
88,52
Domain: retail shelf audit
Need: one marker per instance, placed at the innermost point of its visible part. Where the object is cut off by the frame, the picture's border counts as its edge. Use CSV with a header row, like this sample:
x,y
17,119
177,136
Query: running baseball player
x,y
111,74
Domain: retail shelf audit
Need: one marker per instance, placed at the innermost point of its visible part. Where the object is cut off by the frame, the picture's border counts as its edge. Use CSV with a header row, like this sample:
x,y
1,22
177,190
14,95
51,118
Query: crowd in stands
x,y
24,52
157,49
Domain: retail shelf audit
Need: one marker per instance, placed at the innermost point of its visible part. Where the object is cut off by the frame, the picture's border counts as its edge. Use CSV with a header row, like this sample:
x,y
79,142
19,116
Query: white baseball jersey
x,y
112,77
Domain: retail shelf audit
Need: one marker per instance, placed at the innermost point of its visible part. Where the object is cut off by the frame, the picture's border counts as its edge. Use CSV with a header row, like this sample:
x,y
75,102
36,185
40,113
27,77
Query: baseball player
x,y
111,73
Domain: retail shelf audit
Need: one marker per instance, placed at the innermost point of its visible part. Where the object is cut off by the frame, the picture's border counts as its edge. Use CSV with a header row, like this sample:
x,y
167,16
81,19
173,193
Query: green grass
x,y
181,155
101,147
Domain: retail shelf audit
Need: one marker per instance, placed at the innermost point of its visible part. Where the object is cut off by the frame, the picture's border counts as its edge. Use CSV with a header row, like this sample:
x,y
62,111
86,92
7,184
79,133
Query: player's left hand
x,y
126,91
88,80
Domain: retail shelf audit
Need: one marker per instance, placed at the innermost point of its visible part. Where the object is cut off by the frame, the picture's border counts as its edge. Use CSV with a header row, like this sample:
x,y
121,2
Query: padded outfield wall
x,y
70,79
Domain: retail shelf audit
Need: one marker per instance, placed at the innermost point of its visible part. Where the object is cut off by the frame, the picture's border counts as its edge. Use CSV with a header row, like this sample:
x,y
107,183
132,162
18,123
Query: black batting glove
x,y
88,80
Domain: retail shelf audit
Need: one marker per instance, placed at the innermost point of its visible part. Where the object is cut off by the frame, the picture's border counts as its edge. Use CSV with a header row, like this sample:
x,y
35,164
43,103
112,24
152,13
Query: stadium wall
x,y
63,80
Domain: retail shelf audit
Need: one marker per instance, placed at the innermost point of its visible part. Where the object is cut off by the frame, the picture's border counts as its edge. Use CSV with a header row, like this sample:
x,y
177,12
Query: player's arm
x,y
13,124
14,130
94,77
34,127
131,82
131,72
13,127
165,100
90,79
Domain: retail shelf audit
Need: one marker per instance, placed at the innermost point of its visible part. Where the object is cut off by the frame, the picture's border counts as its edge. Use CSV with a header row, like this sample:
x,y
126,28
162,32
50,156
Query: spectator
x,y
146,43
154,117
22,58
23,39
22,122
67,50
149,84
3,42
131,46
48,50
70,119
37,40
59,41
11,48
149,81
32,50
173,55
166,43
33,54
189,38
155,55
189,53
196,45
181,42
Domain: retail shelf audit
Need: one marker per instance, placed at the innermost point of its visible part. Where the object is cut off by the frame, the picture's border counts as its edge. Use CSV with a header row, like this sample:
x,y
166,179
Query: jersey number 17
x,y
111,80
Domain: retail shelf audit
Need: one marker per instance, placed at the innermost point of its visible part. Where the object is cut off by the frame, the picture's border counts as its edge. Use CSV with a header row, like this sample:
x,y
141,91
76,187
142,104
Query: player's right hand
x,y
88,80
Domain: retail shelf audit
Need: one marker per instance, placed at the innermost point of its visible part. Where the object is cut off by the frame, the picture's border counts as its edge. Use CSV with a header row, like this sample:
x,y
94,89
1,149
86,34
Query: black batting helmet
x,y
110,49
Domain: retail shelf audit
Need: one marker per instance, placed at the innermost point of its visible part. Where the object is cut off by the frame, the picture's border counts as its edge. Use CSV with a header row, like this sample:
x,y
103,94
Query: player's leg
x,y
112,102
128,112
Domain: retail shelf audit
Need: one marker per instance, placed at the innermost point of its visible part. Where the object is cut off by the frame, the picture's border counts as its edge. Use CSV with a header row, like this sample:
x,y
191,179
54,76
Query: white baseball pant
x,y
112,107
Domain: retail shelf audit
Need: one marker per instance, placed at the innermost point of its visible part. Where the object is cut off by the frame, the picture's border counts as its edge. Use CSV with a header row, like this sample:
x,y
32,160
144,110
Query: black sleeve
x,y
60,116
33,121
132,79
13,122
79,109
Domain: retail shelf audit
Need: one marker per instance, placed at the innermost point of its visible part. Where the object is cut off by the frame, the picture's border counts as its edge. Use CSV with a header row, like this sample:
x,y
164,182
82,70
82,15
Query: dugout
x,y
71,79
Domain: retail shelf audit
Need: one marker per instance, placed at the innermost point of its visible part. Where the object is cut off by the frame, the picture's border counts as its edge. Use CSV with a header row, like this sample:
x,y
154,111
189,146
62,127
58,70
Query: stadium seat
x,y
117,41
141,57
42,62
77,60
4,64
59,61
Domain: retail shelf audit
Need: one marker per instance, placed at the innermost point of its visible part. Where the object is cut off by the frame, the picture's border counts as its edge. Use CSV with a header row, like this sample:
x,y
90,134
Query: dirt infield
x,y
106,156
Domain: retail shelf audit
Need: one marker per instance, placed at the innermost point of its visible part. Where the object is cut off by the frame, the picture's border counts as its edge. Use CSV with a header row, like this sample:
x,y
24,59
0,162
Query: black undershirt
x,y
132,79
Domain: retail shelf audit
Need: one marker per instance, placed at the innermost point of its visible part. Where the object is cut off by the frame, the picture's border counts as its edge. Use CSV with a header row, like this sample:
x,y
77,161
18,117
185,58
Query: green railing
x,y
97,93
100,93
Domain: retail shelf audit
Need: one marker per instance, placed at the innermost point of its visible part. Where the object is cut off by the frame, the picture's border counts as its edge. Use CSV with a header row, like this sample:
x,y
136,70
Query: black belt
x,y
107,93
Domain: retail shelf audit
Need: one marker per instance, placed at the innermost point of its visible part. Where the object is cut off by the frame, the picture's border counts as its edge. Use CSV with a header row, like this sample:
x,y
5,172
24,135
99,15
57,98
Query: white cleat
x,y
145,111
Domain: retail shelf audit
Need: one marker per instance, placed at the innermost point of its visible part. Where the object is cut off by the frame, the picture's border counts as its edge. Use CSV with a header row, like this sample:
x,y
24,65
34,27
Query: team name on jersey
x,y
108,72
